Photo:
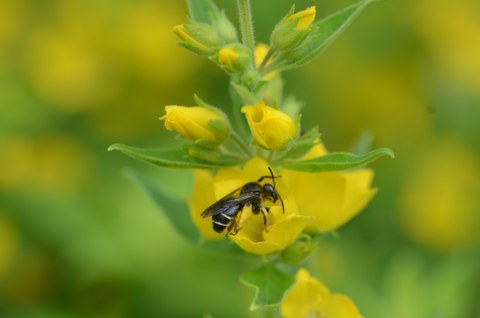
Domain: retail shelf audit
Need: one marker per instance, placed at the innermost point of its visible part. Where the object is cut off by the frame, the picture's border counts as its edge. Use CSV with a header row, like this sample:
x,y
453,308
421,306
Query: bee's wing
x,y
231,199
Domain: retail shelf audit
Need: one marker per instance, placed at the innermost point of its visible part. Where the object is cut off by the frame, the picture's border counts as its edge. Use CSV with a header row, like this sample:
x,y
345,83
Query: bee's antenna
x,y
273,178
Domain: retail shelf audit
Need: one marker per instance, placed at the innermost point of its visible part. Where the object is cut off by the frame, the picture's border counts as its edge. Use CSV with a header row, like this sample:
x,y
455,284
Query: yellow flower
x,y
271,128
199,124
439,206
304,18
309,297
317,201
331,198
283,228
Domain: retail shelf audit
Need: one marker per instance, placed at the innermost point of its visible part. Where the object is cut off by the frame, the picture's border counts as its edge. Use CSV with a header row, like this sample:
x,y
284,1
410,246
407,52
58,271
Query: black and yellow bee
x,y
226,211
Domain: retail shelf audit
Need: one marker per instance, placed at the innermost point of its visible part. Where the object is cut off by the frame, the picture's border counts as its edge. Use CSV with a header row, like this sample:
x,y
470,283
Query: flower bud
x,y
225,28
234,58
199,38
271,128
202,125
204,153
292,29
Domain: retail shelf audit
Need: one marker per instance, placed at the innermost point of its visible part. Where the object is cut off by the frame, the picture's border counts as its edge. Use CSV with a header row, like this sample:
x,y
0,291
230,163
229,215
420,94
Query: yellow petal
x,y
306,18
332,198
271,128
337,306
228,56
203,196
304,296
193,123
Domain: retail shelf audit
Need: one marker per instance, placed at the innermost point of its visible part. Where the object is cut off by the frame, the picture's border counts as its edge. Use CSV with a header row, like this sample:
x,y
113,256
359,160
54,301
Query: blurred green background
x,y
79,239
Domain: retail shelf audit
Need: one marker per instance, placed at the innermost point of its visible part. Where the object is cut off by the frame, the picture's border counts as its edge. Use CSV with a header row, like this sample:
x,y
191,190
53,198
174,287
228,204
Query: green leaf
x,y
323,33
202,10
270,285
173,158
175,209
303,144
338,161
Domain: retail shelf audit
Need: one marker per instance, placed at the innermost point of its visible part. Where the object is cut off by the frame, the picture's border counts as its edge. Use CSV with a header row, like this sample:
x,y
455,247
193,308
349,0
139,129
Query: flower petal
x,y
203,197
332,198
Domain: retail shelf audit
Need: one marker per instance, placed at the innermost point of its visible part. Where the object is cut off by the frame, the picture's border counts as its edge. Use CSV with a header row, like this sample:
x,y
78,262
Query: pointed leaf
x,y
323,33
269,283
174,208
202,10
338,161
173,158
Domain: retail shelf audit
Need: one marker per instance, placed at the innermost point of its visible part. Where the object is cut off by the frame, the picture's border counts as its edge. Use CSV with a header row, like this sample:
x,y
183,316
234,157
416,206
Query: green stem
x,y
238,140
227,152
246,24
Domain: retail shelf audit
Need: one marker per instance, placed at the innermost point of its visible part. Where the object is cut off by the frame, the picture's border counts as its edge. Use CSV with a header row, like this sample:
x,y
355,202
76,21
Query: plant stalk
x,y
238,140
246,25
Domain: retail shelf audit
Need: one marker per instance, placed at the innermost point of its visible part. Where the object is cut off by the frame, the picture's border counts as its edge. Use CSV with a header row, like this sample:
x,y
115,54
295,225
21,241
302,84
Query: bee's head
x,y
269,192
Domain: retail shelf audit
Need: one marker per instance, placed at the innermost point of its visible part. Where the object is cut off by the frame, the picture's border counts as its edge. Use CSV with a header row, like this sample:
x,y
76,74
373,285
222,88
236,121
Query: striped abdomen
x,y
222,220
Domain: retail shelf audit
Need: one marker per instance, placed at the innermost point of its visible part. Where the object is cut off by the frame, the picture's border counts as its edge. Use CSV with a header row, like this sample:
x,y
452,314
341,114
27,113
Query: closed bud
x,y
271,128
226,29
211,155
199,38
203,125
234,58
292,29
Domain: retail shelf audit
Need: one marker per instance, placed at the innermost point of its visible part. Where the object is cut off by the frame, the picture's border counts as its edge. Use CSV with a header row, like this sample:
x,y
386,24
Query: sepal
x,y
207,154
299,251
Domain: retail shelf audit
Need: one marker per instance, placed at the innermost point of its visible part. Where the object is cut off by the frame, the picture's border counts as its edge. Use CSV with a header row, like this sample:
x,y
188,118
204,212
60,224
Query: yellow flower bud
x,y
198,38
228,56
292,30
304,18
199,124
271,128
233,59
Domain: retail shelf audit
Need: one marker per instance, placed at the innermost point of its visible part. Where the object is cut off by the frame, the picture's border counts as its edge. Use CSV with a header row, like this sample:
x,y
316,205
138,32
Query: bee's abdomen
x,y
222,220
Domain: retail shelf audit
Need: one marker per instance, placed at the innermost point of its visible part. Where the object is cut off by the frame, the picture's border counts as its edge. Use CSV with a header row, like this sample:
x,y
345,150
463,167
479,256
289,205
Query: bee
x,y
225,212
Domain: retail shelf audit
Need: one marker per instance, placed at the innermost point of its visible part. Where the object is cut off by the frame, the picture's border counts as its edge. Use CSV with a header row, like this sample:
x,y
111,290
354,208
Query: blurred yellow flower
x,y
18,160
308,297
271,128
439,207
9,239
283,228
197,123
450,33
261,51
305,18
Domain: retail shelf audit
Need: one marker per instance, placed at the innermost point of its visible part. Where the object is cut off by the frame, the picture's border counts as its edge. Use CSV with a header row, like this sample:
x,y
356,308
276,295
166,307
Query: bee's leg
x,y
231,227
264,211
